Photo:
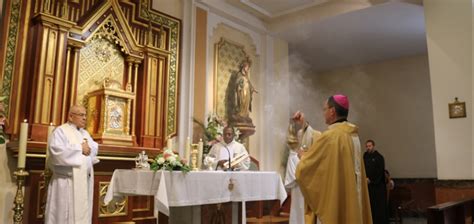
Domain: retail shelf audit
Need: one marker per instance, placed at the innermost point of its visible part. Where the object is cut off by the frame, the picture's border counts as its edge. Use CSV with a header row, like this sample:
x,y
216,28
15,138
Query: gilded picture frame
x,y
457,109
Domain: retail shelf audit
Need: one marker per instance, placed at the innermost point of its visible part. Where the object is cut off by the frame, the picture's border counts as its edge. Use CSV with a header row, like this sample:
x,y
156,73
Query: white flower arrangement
x,y
168,160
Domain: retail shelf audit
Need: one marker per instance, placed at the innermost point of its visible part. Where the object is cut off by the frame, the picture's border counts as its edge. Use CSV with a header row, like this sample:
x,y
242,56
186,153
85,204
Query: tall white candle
x,y
50,130
187,151
200,151
22,144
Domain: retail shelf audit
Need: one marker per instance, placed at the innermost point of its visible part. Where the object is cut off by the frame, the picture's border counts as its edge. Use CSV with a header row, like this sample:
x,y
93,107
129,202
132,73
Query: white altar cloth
x,y
196,188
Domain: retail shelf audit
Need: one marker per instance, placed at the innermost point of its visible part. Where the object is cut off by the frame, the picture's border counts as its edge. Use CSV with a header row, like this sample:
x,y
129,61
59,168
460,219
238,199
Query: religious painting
x,y
116,107
457,109
228,58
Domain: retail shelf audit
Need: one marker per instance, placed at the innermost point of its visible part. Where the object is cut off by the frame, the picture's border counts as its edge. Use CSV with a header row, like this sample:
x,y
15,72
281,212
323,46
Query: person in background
x,y
375,168
72,154
222,150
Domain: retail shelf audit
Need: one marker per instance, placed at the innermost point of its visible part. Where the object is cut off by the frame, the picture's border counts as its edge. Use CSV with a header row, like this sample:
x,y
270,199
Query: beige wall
x,y
170,7
449,37
200,70
472,74
390,101
275,106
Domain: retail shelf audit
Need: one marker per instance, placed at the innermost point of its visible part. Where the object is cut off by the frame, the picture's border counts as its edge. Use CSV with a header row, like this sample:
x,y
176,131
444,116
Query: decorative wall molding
x,y
174,26
215,20
10,57
115,207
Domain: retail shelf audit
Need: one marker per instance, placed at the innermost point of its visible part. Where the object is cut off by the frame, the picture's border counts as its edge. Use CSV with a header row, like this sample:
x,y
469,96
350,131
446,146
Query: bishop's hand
x,y
298,117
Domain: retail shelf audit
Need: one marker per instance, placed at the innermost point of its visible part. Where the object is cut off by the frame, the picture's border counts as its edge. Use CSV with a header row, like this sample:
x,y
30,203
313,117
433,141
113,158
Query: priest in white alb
x,y
72,154
300,137
221,151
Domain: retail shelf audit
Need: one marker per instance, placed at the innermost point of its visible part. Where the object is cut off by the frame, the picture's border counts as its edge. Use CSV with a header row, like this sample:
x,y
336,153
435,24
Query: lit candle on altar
x,y
187,151
200,151
22,144
50,130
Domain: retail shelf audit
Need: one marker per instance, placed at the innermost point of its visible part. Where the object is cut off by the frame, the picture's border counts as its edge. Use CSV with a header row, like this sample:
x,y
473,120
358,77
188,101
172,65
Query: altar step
x,y
268,219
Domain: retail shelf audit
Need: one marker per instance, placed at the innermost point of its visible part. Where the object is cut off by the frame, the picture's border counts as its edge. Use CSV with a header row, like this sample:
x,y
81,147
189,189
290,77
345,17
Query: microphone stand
x,y
230,162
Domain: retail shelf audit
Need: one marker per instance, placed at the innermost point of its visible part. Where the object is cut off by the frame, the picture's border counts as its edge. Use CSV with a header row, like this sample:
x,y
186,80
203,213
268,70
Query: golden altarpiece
x,y
118,58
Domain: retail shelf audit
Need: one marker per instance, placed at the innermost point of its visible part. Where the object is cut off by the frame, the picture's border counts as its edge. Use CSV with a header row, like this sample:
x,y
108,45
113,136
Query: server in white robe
x,y
300,137
72,154
222,150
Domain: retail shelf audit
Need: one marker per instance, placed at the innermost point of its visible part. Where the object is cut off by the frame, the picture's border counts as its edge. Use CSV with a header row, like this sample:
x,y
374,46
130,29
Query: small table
x,y
197,188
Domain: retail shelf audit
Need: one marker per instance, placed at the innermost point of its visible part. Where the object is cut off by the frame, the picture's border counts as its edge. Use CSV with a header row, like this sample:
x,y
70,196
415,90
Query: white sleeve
x,y
63,153
244,165
214,152
290,177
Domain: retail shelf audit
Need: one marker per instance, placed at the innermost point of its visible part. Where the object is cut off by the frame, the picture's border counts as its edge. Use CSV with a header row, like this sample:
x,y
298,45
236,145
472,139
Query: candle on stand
x,y
22,144
187,151
200,151
50,130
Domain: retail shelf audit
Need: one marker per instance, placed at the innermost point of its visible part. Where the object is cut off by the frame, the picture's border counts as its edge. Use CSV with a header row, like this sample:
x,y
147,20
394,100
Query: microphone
x,y
228,151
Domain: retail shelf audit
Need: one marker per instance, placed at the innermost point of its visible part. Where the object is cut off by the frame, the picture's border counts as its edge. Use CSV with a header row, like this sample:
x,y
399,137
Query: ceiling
x,y
368,34
275,8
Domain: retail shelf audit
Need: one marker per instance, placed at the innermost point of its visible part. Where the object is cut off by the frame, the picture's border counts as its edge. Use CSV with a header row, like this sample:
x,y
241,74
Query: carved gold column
x,y
66,89
129,76
134,105
74,74
70,79
50,58
132,78
152,131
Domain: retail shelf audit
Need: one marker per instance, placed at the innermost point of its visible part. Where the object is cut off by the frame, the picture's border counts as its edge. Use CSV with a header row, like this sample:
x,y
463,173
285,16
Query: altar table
x,y
177,189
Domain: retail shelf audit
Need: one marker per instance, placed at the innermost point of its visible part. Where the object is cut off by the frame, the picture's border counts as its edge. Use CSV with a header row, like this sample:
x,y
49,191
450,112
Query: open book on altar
x,y
236,160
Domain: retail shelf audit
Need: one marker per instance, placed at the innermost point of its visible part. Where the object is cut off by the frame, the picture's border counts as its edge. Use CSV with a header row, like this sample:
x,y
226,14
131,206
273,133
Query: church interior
x,y
153,74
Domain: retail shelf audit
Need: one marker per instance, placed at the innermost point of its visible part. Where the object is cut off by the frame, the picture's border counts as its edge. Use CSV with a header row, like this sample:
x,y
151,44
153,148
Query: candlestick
x,y
20,175
194,158
187,150
22,144
200,151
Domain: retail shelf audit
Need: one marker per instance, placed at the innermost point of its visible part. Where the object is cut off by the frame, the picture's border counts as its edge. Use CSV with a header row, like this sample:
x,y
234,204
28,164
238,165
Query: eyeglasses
x,y
325,108
80,114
